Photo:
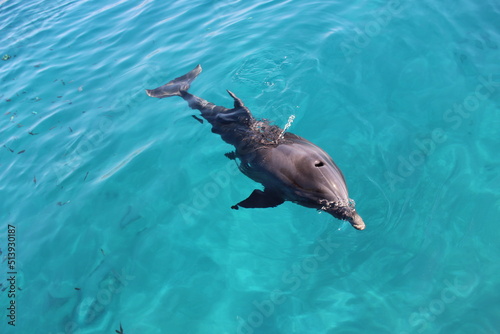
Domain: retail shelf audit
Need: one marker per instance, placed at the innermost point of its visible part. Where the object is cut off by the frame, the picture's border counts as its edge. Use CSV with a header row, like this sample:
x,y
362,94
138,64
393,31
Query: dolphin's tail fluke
x,y
176,86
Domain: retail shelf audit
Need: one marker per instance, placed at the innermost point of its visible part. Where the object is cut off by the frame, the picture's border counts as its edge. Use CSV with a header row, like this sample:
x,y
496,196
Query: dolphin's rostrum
x,y
289,167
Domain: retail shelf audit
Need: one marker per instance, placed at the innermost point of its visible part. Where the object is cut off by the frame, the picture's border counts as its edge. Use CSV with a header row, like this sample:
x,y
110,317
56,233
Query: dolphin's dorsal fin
x,y
237,102
260,199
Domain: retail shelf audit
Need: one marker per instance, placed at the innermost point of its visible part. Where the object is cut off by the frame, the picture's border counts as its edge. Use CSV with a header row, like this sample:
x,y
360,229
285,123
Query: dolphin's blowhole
x,y
318,163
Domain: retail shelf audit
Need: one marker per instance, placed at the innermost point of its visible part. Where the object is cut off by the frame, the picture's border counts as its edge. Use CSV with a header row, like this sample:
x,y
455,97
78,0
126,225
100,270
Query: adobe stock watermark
x,y
75,156
458,288
363,37
453,118
293,279
208,191
109,288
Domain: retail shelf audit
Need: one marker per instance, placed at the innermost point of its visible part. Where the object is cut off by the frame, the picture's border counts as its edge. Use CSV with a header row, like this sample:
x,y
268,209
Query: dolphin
x,y
289,167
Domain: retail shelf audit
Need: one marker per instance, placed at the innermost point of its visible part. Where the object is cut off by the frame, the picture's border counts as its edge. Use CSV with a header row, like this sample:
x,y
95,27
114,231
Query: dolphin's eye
x,y
318,163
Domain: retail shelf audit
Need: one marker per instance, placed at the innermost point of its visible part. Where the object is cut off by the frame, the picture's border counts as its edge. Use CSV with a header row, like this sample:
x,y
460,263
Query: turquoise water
x,y
121,203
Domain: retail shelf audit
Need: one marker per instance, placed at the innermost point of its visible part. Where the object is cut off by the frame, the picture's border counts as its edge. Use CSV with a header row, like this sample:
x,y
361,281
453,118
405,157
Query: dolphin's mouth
x,y
357,222
345,210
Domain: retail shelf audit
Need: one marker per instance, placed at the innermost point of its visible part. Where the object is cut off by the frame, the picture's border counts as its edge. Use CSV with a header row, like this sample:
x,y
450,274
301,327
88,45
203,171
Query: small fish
x,y
197,118
70,129
34,179
121,329
59,96
32,133
62,203
21,151
8,148
78,289
102,252
86,176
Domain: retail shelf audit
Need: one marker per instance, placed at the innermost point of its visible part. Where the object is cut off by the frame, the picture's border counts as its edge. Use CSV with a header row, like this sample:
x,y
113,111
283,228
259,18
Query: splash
x,y
288,124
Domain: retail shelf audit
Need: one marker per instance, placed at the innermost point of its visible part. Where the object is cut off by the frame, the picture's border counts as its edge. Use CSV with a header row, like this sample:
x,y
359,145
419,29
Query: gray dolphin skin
x,y
288,166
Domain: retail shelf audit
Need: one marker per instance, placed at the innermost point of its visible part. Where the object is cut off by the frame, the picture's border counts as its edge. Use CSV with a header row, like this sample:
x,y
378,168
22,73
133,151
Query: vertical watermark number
x,y
11,274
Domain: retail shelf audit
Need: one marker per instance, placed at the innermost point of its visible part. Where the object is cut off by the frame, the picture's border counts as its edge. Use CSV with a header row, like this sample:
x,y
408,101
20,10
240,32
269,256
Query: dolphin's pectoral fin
x,y
260,199
230,155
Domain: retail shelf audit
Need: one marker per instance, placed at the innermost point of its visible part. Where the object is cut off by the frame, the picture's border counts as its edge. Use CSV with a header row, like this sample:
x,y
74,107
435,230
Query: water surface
x,y
129,219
